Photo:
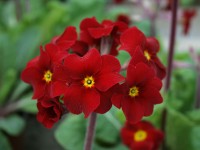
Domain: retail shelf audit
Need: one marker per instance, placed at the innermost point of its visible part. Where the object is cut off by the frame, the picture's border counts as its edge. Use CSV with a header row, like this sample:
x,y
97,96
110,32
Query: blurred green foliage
x,y
44,19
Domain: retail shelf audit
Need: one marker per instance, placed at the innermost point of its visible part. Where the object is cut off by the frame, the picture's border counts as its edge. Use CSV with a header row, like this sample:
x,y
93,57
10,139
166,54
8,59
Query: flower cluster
x,y
80,73
141,136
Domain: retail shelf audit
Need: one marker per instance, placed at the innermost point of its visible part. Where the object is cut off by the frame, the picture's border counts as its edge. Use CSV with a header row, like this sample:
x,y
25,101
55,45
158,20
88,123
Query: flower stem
x,y
172,43
170,62
197,105
90,132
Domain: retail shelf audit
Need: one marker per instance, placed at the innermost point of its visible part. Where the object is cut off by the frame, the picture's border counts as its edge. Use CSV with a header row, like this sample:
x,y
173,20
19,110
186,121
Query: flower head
x,y
138,94
87,80
141,136
142,49
50,111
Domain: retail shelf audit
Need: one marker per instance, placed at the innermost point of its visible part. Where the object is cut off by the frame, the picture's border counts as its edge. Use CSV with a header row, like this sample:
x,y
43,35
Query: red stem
x,y
90,132
172,43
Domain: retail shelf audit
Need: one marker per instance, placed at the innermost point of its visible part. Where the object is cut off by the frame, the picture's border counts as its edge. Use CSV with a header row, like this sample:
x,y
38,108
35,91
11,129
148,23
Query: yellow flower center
x,y
147,55
134,91
88,82
48,76
140,136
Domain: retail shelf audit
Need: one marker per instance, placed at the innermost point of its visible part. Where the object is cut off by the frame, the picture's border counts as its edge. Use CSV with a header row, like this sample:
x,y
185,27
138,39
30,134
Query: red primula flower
x,y
139,93
50,111
141,136
93,32
118,1
67,39
132,38
85,81
124,18
187,17
39,71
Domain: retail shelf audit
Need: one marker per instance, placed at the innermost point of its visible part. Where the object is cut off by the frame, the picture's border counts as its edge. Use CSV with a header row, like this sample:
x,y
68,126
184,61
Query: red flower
x,y
132,38
93,33
124,18
187,17
118,1
50,111
67,39
39,72
139,93
141,136
85,80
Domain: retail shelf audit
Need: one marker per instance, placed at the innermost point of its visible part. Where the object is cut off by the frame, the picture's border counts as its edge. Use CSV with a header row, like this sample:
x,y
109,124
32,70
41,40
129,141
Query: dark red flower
x,y
50,111
168,5
124,18
140,92
141,136
93,33
85,80
67,39
39,72
133,38
118,1
187,17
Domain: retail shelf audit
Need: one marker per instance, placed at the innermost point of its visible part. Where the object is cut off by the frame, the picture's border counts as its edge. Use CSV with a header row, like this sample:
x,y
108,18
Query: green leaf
x,y
71,133
27,104
7,83
4,143
12,124
182,133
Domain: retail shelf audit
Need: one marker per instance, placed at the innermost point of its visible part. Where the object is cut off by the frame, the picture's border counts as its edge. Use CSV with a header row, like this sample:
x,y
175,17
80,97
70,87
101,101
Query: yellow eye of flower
x,y
134,91
147,55
47,76
140,136
88,82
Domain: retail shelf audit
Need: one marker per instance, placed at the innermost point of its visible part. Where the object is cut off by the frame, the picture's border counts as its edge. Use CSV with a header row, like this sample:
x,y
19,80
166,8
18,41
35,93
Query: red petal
x,y
116,100
131,38
80,48
133,109
79,67
89,23
160,68
44,60
139,74
78,99
127,136
58,88
110,64
68,35
100,32
152,45
104,81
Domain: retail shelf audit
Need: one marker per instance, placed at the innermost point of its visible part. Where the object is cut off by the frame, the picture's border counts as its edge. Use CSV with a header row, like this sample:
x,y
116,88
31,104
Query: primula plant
x,y
80,73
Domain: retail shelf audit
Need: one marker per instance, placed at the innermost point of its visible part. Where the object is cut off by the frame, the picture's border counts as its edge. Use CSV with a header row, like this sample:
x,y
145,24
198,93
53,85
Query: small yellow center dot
x,y
140,136
147,55
47,76
88,82
134,91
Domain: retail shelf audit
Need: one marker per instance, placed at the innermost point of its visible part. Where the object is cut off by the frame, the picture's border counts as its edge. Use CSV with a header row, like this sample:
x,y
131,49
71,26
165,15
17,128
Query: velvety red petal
x,y
133,109
116,100
152,44
80,48
127,136
151,94
100,32
139,74
138,56
58,88
89,23
131,38
44,59
142,145
79,67
78,99
104,81
110,64
68,35
160,68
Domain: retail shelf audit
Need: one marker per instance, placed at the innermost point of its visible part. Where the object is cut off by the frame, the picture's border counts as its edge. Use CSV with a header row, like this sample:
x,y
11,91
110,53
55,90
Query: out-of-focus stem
x,y
170,62
197,105
18,9
90,132
172,44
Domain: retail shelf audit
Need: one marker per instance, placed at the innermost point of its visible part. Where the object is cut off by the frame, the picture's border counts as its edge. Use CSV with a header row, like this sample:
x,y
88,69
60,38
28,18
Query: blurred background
x,y
27,24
